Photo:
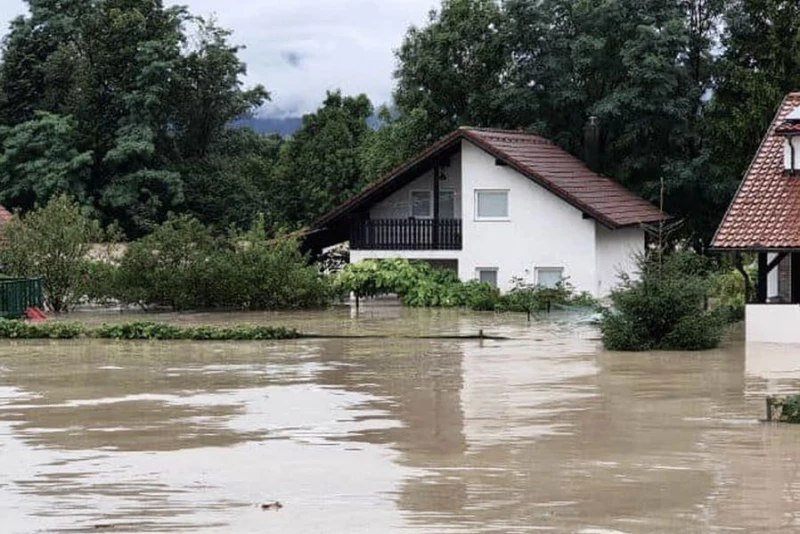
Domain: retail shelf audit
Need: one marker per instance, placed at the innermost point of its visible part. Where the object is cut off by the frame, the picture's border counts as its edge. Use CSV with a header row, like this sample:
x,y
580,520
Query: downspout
x,y
791,155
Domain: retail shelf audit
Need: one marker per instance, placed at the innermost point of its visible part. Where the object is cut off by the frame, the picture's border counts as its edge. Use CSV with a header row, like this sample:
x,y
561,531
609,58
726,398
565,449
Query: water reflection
x,y
544,432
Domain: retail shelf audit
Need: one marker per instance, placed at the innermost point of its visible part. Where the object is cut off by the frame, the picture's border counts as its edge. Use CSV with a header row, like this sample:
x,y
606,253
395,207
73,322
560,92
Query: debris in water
x,y
272,506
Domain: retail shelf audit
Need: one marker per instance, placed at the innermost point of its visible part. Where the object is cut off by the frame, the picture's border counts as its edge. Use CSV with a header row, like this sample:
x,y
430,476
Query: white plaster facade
x,y
542,231
772,323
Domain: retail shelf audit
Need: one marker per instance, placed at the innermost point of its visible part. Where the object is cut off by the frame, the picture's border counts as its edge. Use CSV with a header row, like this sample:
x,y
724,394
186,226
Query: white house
x,y
494,205
764,218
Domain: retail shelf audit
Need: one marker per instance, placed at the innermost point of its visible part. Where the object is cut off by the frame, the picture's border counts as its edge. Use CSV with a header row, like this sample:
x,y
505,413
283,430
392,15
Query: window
x,y
549,277
491,204
447,204
421,204
488,275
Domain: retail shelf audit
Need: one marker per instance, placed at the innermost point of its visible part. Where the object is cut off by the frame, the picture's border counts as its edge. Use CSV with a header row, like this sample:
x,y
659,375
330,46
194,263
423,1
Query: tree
x,y
148,88
227,187
320,166
451,68
53,242
396,140
39,159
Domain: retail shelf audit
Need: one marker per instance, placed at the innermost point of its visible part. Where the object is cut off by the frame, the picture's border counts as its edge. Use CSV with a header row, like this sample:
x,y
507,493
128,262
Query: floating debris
x,y
275,506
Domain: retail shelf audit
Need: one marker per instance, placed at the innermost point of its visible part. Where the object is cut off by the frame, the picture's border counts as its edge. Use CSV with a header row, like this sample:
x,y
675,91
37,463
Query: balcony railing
x,y
406,234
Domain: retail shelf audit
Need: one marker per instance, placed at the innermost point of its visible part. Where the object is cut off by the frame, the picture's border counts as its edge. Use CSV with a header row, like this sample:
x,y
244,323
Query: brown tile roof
x,y
765,213
538,159
788,128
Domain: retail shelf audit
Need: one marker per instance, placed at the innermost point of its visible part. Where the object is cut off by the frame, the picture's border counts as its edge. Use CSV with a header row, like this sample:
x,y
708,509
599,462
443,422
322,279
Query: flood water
x,y
544,432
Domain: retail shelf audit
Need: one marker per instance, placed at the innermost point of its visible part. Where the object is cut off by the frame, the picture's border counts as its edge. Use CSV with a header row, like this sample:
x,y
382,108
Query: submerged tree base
x,y
142,330
783,408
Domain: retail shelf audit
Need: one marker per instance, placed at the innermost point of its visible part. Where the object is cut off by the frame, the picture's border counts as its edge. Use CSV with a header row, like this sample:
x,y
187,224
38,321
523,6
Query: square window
x,y
488,275
549,277
421,204
491,204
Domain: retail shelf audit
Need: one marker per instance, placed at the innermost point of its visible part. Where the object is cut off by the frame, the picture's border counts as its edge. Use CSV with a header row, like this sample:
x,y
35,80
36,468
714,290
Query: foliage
x,y
181,265
728,289
450,68
419,284
785,409
169,267
128,90
160,331
320,167
664,309
39,159
13,329
228,185
52,242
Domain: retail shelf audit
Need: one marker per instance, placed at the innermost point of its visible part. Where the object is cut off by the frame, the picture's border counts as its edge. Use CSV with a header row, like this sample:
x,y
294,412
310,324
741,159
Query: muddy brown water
x,y
542,433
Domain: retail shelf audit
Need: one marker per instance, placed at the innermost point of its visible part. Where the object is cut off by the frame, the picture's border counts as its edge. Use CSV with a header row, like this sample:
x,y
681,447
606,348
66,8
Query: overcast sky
x,y
300,48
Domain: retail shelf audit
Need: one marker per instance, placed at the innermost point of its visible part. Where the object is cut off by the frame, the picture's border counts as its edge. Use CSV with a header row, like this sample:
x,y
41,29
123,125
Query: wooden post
x,y
795,278
437,172
762,278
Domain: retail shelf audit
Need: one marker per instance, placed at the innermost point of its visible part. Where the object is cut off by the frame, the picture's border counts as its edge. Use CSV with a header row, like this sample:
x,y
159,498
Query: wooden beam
x,y
775,261
795,278
761,295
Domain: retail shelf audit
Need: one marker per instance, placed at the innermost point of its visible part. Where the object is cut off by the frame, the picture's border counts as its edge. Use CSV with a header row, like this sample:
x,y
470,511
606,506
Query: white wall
x,y
542,230
398,204
616,253
772,323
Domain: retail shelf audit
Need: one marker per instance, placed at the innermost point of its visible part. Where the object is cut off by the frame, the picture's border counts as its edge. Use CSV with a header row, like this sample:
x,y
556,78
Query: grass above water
x,y
142,330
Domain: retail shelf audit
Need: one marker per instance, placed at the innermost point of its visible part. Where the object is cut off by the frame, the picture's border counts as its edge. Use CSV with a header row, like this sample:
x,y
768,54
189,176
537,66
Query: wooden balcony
x,y
406,234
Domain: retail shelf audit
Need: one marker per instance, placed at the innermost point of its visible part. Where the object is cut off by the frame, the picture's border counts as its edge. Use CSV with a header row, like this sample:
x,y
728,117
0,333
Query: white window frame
x,y
430,198
508,205
538,270
492,269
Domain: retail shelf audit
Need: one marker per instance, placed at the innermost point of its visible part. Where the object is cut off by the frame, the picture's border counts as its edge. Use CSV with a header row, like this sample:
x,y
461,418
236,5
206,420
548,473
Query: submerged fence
x,y
16,296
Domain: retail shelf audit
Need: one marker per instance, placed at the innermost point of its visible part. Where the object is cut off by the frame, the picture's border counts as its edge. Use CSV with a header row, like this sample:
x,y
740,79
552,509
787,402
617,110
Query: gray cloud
x,y
299,49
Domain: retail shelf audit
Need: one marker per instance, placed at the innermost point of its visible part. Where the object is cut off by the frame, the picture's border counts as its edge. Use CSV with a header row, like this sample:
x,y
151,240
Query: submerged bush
x,y
664,309
142,330
181,265
418,284
51,242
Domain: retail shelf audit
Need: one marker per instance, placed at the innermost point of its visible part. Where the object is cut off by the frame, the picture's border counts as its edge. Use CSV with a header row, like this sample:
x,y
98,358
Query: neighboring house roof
x,y
765,213
536,158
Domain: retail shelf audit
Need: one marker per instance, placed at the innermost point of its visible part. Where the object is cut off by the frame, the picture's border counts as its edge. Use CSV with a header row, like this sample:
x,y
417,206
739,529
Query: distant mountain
x,y
265,125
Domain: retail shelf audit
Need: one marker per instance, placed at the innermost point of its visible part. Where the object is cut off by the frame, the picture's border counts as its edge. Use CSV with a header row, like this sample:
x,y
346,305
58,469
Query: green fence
x,y
16,296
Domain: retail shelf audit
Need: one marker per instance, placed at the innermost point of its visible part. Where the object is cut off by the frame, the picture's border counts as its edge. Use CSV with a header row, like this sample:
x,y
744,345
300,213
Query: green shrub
x,y
143,330
182,266
664,308
51,242
728,291
419,284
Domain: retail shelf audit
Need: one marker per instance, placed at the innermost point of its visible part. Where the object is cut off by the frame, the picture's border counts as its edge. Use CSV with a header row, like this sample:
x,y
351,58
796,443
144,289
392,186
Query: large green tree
x,y
147,89
451,67
320,166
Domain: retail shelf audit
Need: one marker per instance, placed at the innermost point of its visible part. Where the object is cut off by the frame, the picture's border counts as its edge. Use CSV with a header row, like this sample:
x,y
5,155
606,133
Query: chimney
x,y
591,144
